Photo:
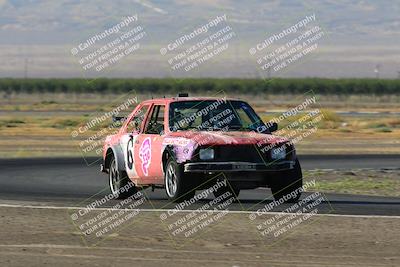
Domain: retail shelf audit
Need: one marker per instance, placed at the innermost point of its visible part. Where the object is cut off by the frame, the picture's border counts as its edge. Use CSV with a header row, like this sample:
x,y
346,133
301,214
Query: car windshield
x,y
213,115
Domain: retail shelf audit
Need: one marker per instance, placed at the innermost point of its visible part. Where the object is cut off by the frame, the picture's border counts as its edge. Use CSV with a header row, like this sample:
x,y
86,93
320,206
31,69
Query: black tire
x,y
120,184
177,186
290,181
228,188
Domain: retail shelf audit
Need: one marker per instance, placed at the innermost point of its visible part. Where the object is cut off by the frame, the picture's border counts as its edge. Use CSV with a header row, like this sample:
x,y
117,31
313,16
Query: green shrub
x,y
202,85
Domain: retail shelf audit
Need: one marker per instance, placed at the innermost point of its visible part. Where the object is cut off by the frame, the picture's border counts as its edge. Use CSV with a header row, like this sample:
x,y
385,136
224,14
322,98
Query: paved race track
x,y
69,181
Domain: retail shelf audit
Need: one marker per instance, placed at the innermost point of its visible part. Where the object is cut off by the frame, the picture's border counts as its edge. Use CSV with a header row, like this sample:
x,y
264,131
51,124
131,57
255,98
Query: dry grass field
x,y
41,124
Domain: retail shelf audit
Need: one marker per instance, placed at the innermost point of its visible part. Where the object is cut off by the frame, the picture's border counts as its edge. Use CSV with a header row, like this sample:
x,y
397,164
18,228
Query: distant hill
x,y
361,34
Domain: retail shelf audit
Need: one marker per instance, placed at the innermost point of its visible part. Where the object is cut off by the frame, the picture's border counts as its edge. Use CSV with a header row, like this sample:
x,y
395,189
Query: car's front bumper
x,y
207,167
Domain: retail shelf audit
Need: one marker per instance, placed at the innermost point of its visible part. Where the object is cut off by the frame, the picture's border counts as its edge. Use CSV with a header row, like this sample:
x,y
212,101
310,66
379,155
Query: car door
x,y
129,137
148,154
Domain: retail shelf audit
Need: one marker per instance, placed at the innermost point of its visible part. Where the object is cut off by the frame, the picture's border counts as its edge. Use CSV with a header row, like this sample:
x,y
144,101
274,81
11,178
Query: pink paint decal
x,y
145,155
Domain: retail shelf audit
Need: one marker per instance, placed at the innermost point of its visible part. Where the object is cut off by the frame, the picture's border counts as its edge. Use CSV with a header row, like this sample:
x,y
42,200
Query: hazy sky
x,y
349,38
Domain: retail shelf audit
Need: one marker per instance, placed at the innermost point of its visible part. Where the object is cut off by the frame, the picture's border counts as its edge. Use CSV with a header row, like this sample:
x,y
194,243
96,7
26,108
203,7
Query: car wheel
x,y
288,185
177,186
120,184
228,188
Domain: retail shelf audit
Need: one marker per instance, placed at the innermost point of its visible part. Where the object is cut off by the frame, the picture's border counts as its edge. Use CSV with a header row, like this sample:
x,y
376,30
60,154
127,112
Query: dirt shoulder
x,y
383,182
38,237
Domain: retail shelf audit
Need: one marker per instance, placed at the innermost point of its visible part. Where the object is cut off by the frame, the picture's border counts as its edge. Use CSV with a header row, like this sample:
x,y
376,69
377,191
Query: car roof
x,y
178,99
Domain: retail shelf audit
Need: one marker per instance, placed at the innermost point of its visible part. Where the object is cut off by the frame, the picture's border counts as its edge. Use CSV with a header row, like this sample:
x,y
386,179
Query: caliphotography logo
x,y
103,50
199,133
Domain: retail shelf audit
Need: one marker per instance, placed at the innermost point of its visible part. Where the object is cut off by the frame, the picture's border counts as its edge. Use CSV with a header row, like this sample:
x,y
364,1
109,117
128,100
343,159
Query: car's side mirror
x,y
273,127
120,119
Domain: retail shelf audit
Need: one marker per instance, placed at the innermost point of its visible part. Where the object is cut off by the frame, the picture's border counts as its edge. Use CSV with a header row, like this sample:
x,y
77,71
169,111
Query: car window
x,y
156,123
136,122
212,115
244,117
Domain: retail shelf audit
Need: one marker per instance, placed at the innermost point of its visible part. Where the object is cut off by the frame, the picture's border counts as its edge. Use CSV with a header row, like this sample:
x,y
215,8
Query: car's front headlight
x,y
206,153
278,153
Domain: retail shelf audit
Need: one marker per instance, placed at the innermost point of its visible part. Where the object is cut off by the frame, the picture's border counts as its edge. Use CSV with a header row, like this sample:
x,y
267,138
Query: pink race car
x,y
182,143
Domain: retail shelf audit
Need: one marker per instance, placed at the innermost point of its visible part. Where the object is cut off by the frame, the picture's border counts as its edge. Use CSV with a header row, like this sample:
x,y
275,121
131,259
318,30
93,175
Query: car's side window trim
x,y
147,117
129,120
150,116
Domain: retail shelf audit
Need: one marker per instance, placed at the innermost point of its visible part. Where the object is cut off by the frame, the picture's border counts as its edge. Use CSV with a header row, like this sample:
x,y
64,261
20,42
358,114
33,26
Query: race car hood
x,y
205,138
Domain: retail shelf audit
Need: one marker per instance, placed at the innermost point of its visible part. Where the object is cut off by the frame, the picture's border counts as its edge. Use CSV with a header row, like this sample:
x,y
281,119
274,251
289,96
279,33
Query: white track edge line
x,y
166,210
